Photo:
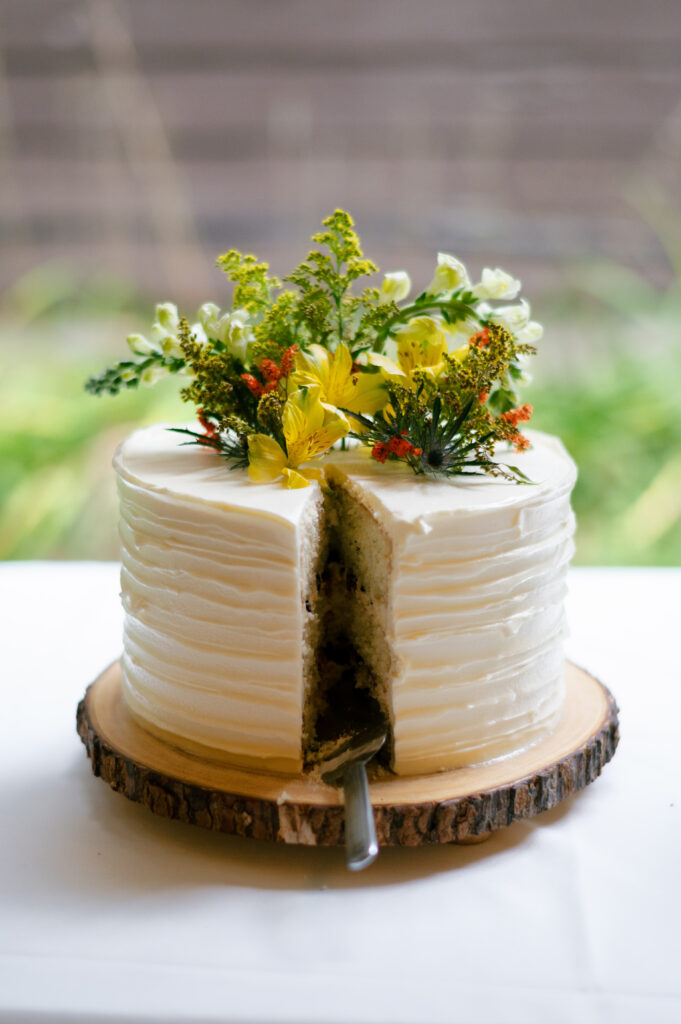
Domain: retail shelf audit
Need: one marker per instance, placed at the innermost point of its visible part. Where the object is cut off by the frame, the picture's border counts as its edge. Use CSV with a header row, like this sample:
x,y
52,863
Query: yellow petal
x,y
365,393
266,458
340,368
312,367
391,368
459,354
293,479
303,413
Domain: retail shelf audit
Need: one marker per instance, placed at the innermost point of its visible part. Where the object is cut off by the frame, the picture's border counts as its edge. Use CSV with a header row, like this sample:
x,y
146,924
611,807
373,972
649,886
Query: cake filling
x,y
349,657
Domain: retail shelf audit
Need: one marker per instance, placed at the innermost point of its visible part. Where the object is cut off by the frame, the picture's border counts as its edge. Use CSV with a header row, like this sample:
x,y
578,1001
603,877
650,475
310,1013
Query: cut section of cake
x,y
248,606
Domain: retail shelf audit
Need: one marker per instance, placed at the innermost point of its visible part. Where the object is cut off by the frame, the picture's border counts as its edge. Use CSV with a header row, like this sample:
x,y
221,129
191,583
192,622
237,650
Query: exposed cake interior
x,y
348,659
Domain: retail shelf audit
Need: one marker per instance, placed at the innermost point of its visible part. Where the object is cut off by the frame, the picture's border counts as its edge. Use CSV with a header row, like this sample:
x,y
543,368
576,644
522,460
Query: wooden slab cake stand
x,y
464,805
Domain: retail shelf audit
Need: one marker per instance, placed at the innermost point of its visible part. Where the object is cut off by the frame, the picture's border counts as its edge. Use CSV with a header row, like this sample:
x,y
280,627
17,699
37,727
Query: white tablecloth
x,y
112,914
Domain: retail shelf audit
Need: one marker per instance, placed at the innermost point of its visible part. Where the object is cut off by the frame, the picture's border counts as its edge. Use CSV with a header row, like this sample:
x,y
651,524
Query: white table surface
x,y
110,914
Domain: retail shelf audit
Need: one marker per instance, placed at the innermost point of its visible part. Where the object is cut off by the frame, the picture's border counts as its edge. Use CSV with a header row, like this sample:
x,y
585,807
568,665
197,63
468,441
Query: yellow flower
x,y
421,345
309,430
340,386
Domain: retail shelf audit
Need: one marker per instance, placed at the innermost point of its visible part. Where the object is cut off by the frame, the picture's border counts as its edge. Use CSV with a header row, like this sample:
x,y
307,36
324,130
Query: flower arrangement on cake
x,y
290,372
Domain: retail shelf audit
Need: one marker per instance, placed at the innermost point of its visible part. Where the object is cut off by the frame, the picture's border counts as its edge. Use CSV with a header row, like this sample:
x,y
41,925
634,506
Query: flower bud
x,y
496,284
139,345
152,374
168,317
450,274
396,286
513,318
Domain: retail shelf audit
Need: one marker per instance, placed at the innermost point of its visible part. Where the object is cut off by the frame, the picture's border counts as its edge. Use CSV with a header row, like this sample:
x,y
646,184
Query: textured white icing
x,y
476,622
214,615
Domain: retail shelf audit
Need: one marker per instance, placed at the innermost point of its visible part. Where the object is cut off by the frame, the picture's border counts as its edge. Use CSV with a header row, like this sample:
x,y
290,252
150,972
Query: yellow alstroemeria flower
x,y
309,430
421,345
340,386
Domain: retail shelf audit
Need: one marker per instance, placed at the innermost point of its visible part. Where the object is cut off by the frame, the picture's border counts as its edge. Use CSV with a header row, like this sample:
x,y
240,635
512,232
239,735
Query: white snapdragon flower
x,y
516,319
152,374
240,334
141,346
396,286
496,284
450,274
212,323
232,329
531,333
199,333
164,329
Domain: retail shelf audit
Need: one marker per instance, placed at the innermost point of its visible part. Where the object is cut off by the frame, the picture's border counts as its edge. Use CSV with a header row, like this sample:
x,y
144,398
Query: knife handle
x,y
361,845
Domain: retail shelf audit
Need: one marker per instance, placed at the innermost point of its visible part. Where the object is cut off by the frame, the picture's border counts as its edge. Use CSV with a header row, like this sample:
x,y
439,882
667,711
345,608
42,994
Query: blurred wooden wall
x,y
141,137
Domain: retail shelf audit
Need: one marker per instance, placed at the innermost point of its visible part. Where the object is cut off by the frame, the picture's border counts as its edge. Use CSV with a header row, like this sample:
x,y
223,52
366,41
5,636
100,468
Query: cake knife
x,y
346,769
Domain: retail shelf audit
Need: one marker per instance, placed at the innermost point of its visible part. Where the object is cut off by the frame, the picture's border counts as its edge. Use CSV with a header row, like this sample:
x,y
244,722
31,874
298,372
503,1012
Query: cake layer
x,y
212,592
475,614
463,615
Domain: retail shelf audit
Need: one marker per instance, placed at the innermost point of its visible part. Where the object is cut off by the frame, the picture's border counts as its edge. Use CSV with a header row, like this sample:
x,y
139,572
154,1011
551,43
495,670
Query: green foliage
x,y
216,387
328,311
459,307
254,286
131,373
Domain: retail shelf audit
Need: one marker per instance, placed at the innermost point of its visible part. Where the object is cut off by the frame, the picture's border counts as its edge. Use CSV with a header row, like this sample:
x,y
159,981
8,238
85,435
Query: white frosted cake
x,y
353,528
448,592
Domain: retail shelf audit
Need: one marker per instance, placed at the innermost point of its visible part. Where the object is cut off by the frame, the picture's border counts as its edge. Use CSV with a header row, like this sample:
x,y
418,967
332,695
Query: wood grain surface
x,y
449,807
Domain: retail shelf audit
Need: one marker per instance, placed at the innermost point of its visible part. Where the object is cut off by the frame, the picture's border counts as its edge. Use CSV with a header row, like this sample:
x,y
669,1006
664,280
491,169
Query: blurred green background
x,y
139,140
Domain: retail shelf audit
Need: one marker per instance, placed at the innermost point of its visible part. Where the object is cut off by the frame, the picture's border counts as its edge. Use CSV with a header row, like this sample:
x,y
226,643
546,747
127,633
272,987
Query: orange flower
x,y
270,370
210,428
481,339
400,446
521,443
253,385
519,415
483,396
288,360
380,452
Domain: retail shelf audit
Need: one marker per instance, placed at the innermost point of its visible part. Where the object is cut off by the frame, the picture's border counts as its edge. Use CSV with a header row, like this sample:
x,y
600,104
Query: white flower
x,y
199,333
209,317
496,284
450,274
513,318
164,329
167,317
531,333
396,286
240,335
141,346
232,329
152,374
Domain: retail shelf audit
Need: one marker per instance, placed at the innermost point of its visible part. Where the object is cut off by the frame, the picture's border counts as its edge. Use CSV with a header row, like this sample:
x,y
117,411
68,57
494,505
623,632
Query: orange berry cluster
x,y
271,373
519,415
398,446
